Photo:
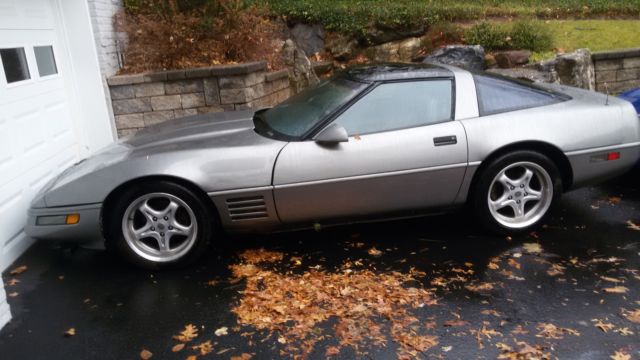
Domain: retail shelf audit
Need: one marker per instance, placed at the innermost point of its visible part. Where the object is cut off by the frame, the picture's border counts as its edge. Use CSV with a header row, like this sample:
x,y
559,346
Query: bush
x,y
521,35
531,36
490,36
172,34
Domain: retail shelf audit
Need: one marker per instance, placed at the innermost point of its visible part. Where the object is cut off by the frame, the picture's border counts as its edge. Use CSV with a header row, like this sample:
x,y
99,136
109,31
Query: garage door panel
x,y
29,14
38,137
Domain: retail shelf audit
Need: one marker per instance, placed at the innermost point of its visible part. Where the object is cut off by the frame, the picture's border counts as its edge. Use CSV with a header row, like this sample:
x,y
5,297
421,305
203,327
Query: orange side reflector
x,y
613,156
73,219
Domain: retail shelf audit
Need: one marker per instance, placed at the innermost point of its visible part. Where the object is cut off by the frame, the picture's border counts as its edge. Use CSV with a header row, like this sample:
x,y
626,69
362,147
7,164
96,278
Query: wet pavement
x,y
579,273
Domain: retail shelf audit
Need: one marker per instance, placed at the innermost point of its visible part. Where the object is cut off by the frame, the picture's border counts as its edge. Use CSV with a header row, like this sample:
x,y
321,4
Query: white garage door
x,y
38,137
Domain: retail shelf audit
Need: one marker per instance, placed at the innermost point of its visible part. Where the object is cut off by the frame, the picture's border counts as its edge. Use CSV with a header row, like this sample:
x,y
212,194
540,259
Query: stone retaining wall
x,y
619,69
144,99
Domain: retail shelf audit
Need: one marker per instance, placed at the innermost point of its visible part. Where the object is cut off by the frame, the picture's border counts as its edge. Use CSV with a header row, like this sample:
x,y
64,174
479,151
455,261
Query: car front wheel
x,y
515,191
160,224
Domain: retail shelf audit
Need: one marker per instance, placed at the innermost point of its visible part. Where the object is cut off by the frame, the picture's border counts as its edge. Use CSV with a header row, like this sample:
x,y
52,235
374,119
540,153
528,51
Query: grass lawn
x,y
596,35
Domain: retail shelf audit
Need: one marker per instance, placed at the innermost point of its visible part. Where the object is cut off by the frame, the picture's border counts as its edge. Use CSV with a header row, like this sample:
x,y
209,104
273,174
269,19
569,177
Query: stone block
x,y
197,73
183,87
211,91
192,100
210,109
612,64
185,112
125,79
149,89
628,74
232,82
606,76
126,132
236,96
166,102
120,92
129,121
176,74
131,106
633,62
155,76
156,117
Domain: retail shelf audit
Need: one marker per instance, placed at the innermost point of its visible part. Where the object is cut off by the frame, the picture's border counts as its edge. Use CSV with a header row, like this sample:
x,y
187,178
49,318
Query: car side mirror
x,y
334,133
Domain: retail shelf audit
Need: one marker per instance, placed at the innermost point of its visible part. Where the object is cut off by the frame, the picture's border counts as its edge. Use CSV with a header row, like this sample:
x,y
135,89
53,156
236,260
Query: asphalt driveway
x,y
435,287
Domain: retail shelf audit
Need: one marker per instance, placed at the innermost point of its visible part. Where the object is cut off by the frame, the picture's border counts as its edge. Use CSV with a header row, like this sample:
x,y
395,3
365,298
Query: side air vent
x,y
247,208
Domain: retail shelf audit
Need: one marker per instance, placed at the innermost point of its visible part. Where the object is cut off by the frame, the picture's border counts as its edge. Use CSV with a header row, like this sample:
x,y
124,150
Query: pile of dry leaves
x,y
366,306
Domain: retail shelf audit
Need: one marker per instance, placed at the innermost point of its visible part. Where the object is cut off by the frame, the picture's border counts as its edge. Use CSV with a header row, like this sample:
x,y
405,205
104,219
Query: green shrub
x,y
490,36
531,36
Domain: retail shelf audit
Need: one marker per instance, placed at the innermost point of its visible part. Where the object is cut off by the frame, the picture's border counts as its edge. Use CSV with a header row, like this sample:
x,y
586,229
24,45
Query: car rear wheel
x,y
160,224
515,191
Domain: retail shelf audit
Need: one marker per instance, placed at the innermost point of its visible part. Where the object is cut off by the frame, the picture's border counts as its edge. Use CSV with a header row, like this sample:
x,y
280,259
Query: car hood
x,y
219,151
193,128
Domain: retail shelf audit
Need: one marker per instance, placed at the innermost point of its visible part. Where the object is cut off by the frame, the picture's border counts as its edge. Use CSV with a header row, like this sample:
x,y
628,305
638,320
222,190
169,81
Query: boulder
x,y
512,58
380,33
342,48
396,51
466,56
301,74
309,38
526,73
574,69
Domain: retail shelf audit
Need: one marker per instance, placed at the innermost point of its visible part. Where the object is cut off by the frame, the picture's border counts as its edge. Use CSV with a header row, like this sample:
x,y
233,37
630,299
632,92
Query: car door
x,y
404,152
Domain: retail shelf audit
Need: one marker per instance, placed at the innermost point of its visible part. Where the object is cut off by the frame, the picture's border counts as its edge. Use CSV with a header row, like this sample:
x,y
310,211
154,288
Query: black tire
x,y
479,200
200,212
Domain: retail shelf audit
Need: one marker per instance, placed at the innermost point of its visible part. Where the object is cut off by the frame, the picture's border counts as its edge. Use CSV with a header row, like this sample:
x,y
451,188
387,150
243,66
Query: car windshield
x,y
296,116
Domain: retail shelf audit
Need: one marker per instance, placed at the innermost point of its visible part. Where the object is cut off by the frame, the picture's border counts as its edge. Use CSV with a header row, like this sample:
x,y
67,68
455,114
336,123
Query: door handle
x,y
445,140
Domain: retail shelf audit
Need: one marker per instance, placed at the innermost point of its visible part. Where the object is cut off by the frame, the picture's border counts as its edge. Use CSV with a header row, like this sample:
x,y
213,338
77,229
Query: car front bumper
x,y
86,231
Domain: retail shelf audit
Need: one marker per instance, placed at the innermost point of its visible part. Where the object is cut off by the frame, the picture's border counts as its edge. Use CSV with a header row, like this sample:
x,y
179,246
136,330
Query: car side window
x,y
399,105
497,95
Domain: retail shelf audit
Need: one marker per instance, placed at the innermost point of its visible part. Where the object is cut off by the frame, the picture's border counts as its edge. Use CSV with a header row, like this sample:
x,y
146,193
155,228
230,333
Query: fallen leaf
x,y
189,333
13,294
177,347
332,351
70,332
616,290
145,354
454,323
624,331
374,252
221,331
480,287
604,326
513,263
532,248
633,226
204,348
614,200
555,270
550,331
619,355
192,357
610,279
633,316
19,270
243,356
13,282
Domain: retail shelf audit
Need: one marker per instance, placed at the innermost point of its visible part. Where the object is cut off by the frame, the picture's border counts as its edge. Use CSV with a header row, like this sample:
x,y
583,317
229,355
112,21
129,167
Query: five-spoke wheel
x,y
159,224
159,227
515,191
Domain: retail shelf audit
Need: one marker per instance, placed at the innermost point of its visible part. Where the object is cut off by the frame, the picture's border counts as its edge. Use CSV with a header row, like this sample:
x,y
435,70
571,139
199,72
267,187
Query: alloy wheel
x,y
520,195
159,227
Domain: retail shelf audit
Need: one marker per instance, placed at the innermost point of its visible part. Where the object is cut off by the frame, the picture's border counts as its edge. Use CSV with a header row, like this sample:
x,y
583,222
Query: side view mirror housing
x,y
334,133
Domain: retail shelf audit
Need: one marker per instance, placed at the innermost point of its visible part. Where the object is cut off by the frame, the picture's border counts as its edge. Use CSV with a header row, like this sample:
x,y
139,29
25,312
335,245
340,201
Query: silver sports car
x,y
375,142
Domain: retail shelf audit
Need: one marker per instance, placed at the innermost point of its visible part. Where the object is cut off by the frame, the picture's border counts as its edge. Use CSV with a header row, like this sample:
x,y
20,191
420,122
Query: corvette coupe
x,y
372,142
